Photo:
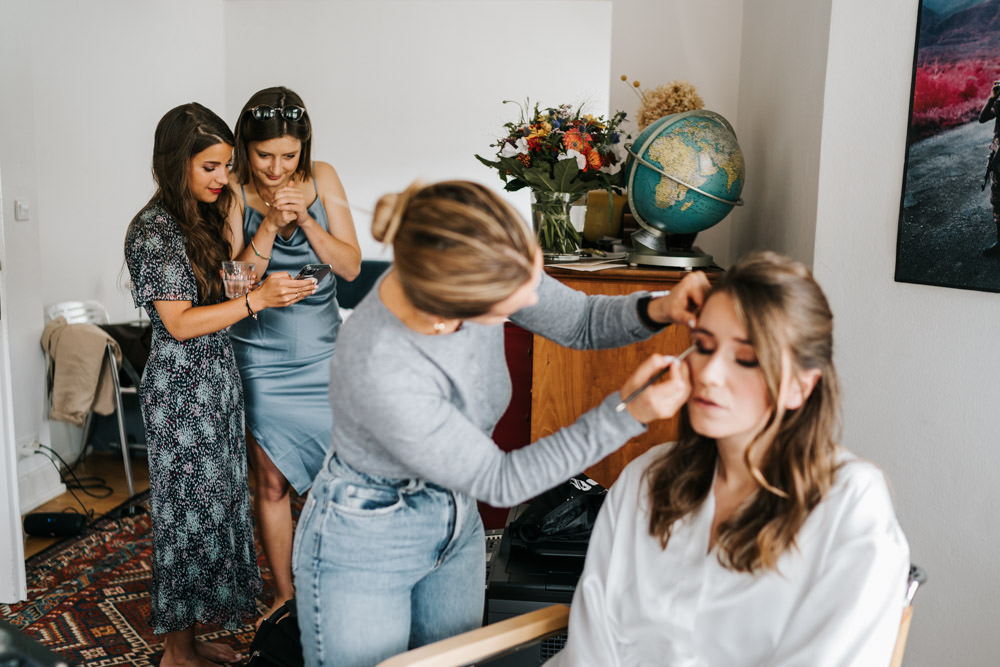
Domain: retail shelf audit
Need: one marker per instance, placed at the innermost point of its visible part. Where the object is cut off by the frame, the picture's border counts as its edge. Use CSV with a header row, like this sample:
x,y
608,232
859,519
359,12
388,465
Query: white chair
x,y
94,312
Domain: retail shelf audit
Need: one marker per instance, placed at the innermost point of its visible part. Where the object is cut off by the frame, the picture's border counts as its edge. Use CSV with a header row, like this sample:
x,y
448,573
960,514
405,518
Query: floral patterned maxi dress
x,y
204,559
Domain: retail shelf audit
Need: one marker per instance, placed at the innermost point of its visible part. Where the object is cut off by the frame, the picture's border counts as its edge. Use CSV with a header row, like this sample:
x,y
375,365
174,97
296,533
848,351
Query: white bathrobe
x,y
836,600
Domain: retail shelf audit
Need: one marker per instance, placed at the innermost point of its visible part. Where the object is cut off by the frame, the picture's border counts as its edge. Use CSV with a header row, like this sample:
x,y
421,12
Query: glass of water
x,y
237,277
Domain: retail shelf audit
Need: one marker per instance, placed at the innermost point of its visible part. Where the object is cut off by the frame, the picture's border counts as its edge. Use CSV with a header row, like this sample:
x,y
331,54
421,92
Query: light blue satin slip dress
x,y
284,360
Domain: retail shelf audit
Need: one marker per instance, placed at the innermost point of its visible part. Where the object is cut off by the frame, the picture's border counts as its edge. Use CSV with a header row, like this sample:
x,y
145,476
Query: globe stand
x,y
652,247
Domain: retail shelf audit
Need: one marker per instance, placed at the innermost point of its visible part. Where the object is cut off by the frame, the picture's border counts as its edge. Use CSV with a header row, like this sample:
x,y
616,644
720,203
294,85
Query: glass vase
x,y
554,217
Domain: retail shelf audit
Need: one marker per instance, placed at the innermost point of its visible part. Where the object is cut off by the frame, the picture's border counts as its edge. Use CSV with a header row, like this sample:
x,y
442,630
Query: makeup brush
x,y
656,378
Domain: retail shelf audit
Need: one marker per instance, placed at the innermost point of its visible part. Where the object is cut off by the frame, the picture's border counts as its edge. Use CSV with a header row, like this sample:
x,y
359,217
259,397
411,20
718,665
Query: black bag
x,y
277,642
563,514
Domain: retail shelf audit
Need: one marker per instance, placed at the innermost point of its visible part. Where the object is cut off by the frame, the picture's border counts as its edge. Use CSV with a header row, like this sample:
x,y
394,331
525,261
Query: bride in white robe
x,y
762,402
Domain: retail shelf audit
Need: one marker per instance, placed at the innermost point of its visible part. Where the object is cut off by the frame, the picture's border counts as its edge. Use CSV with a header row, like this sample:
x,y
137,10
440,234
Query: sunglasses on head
x,y
267,112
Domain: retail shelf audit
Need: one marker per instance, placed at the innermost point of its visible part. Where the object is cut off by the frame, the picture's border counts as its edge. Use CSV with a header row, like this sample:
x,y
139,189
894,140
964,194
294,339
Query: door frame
x,y
12,588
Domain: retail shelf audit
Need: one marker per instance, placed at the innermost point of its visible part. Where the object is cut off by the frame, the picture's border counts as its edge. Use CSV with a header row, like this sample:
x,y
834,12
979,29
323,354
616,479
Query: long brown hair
x,y
783,309
182,133
250,129
459,249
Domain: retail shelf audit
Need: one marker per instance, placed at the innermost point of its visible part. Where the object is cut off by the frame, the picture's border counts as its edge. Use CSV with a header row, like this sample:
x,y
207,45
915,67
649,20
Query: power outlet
x,y
26,449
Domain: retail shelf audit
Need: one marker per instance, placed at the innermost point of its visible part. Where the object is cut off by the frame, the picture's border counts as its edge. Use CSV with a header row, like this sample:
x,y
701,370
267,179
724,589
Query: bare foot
x,y
219,653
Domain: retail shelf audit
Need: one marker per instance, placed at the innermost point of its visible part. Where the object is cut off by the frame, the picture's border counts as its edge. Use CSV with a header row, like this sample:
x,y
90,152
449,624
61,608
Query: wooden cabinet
x,y
566,383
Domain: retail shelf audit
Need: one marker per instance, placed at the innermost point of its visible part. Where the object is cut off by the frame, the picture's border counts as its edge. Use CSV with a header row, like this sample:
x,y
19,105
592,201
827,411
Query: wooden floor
x,y
102,465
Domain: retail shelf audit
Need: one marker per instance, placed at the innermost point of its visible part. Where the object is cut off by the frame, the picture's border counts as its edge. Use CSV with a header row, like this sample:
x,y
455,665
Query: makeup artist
x,y
389,550
289,212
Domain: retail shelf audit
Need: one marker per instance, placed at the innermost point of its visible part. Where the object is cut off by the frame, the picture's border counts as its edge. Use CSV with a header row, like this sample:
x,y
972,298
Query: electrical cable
x,y
92,481
89,513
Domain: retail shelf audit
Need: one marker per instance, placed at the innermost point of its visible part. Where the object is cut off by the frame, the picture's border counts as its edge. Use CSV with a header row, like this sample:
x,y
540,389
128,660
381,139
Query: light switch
x,y
22,210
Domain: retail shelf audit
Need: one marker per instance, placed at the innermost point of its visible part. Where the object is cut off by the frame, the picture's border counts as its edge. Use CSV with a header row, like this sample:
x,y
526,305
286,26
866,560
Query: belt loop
x,y
413,485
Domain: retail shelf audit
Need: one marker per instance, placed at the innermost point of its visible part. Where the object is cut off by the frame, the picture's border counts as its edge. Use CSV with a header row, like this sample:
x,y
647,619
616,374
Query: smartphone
x,y
315,271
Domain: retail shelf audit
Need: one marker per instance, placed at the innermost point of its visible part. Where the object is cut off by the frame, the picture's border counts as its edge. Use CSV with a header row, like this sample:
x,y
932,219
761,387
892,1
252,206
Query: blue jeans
x,y
383,565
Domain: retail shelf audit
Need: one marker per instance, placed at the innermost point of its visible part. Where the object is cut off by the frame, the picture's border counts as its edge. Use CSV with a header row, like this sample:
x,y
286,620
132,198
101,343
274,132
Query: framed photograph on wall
x,y
948,227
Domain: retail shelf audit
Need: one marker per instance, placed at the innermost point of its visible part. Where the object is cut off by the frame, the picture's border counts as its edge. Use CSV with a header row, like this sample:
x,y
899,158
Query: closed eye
x,y
701,348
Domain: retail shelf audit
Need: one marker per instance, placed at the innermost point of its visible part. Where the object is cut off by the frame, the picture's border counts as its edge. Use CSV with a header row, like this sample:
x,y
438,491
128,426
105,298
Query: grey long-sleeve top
x,y
410,405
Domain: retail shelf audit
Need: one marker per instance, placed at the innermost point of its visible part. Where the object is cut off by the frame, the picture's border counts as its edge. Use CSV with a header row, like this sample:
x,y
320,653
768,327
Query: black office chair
x,y
350,292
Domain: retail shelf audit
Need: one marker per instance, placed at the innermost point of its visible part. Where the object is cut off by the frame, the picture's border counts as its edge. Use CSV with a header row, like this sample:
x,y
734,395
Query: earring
x,y
439,327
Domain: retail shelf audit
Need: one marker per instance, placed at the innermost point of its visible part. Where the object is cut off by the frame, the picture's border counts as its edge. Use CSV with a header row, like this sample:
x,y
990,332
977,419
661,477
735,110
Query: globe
x,y
685,172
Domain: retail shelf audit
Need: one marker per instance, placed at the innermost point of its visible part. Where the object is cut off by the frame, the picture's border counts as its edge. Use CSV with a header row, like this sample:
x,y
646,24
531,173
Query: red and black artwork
x,y
949,218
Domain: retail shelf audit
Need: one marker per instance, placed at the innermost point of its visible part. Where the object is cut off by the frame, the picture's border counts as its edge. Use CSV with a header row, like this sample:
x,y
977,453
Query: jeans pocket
x,y
364,499
302,533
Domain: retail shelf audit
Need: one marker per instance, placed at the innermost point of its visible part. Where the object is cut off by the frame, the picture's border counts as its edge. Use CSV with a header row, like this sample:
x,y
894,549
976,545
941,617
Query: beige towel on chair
x,y
79,378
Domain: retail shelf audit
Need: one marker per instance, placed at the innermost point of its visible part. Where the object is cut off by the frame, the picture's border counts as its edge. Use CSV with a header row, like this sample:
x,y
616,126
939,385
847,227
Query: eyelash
x,y
700,348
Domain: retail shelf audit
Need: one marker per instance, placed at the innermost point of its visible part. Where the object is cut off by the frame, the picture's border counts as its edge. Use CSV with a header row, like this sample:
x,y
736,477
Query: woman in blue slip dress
x,y
289,212
204,561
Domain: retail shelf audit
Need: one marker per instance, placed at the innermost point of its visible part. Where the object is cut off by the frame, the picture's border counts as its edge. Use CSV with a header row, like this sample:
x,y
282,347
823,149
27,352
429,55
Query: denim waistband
x,y
340,468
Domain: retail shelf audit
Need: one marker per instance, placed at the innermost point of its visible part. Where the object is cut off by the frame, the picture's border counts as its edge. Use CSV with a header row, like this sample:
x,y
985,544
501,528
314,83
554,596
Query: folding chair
x,y
94,312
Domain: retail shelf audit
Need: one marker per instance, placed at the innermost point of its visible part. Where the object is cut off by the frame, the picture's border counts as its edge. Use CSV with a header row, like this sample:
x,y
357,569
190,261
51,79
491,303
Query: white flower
x,y
611,169
520,147
581,161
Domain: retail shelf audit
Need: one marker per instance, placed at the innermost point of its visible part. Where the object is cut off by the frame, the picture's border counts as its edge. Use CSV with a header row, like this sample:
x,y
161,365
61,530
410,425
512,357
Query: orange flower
x,y
594,159
573,141
525,159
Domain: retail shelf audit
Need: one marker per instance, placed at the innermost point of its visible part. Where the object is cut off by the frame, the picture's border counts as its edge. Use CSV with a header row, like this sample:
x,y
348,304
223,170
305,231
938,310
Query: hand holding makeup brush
x,y
648,400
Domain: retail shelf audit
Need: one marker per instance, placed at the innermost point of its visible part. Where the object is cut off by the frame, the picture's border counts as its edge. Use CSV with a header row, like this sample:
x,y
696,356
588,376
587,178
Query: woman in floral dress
x,y
204,560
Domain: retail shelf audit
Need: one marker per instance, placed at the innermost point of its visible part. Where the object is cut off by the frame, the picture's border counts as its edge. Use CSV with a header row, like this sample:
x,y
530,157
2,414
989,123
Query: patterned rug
x,y
88,597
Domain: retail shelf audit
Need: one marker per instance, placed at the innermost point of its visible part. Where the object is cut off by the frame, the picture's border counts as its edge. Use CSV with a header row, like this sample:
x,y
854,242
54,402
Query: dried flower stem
x,y
634,87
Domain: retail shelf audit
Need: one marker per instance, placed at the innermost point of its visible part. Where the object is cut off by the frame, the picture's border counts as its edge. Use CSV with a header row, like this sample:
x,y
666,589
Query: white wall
x,y
659,41
103,74
919,364
781,114
399,90
86,101
23,256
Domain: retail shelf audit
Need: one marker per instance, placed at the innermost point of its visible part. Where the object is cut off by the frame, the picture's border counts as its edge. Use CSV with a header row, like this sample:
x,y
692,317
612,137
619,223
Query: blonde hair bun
x,y
388,215
382,218
458,247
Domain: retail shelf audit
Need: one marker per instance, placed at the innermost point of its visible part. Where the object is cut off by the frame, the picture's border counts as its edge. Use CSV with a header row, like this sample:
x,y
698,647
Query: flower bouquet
x,y
560,153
